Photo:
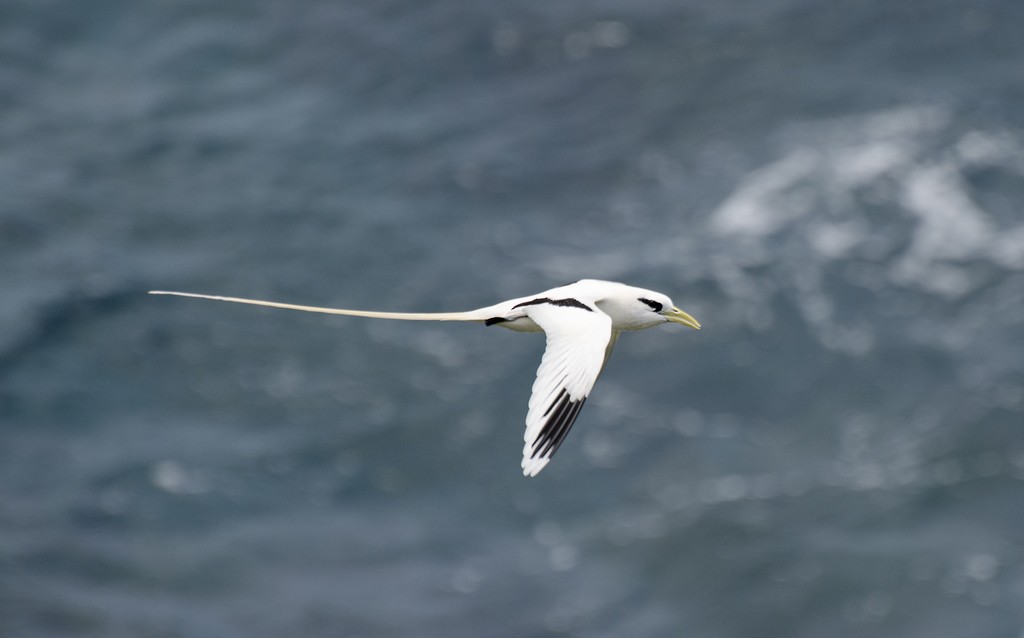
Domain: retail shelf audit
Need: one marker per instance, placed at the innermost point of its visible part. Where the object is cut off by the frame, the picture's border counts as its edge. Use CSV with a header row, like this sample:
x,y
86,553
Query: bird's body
x,y
582,322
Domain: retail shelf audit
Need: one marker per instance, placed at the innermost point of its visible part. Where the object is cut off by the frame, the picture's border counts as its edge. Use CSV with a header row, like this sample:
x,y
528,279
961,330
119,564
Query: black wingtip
x,y
563,414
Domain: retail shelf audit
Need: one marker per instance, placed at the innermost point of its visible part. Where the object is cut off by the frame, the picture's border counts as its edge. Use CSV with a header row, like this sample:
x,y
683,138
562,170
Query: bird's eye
x,y
655,306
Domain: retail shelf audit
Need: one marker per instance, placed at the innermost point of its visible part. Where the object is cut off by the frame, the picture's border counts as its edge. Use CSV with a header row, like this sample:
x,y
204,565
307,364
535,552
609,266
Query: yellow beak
x,y
678,316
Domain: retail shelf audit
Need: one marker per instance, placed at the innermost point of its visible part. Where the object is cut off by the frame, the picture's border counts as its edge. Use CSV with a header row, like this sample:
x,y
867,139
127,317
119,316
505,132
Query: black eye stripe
x,y
655,306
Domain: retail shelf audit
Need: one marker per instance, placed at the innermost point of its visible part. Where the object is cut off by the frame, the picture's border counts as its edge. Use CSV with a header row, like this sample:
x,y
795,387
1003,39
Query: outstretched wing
x,y
578,338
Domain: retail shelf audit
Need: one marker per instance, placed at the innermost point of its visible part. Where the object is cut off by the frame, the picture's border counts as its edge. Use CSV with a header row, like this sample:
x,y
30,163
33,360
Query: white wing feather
x,y
577,342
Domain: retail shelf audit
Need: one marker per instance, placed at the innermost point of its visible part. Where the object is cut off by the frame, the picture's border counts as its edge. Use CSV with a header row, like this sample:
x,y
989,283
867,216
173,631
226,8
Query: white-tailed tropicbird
x,y
581,321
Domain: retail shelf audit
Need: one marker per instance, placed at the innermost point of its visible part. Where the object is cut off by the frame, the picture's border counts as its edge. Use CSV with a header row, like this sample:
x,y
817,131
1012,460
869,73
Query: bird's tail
x,y
472,315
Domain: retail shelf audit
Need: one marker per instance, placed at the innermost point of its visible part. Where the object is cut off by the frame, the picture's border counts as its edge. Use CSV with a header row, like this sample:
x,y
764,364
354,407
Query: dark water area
x,y
834,189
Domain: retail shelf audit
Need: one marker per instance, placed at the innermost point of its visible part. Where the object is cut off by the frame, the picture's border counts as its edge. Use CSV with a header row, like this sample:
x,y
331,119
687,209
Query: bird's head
x,y
661,305
634,308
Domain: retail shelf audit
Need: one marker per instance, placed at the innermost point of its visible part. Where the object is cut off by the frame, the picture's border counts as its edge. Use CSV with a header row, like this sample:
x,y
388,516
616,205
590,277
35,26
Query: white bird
x,y
582,322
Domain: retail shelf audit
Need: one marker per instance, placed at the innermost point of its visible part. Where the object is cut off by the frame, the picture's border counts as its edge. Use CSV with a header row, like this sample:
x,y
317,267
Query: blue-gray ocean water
x,y
835,189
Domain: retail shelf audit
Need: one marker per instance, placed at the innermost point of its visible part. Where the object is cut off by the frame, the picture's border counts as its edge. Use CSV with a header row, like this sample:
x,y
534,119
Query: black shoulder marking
x,y
655,306
569,302
532,302
494,320
561,414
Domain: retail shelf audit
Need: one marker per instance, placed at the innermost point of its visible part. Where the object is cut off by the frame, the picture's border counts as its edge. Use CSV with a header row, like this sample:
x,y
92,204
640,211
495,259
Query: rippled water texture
x,y
834,190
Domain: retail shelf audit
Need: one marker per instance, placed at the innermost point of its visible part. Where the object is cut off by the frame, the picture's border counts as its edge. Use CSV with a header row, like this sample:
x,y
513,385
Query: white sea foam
x,y
768,198
886,188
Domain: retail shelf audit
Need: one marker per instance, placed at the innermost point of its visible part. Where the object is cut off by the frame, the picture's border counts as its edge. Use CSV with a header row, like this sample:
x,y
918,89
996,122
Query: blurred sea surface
x,y
834,189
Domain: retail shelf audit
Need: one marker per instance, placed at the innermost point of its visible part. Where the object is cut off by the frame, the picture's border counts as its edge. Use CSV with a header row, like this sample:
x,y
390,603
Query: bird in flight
x,y
581,321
